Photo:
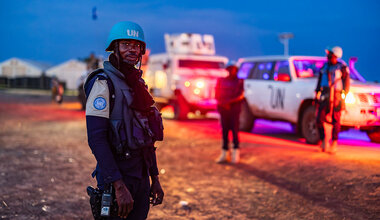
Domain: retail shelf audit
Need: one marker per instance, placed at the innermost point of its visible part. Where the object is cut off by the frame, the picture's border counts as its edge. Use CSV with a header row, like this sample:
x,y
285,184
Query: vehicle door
x,y
256,85
279,90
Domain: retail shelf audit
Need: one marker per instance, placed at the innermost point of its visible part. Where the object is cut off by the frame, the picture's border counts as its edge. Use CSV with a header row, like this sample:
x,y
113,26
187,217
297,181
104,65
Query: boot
x,y
333,147
235,156
323,145
223,157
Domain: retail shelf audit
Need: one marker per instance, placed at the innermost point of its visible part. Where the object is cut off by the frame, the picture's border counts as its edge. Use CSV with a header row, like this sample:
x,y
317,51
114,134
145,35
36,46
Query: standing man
x,y
229,93
92,64
120,129
333,85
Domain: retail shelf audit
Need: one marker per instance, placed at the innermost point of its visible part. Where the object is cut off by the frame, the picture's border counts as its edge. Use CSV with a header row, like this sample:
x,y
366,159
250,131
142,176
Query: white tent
x,y
16,67
68,72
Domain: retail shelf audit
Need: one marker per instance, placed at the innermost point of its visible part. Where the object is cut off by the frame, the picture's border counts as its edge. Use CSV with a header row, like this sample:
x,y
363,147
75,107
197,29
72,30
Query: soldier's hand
x,y
156,192
124,198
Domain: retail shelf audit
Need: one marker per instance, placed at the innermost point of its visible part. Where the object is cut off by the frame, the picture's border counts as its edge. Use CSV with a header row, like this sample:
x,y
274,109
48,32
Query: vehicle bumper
x,y
204,105
359,116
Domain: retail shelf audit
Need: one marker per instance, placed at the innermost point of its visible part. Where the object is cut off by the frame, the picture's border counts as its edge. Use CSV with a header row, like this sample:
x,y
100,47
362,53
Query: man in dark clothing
x,y
333,85
115,96
229,93
92,64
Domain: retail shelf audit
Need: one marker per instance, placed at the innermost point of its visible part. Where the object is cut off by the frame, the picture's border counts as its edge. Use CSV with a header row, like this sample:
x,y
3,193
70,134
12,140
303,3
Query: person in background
x,y
332,87
54,88
229,94
92,63
57,90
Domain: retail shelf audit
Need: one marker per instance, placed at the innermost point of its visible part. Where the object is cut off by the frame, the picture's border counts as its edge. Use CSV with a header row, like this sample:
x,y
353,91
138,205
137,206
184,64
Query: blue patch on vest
x,y
100,103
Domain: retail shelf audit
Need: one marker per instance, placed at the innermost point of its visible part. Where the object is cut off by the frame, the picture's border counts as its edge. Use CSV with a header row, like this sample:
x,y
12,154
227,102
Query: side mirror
x,y
353,59
283,77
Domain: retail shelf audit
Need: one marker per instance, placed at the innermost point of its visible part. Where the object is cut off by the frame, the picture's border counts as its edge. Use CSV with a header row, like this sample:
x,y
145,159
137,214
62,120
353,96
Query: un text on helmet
x,y
132,33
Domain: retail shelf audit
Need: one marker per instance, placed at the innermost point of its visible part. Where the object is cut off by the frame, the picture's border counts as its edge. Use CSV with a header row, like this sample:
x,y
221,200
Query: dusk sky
x,y
54,31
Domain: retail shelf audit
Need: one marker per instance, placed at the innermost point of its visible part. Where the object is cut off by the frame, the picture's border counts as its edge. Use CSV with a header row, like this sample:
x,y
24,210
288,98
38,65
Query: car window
x,y
282,67
308,68
245,70
263,70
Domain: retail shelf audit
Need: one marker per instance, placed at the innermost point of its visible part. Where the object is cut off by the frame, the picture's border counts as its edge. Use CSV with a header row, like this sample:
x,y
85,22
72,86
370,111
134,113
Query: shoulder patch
x,y
100,103
98,100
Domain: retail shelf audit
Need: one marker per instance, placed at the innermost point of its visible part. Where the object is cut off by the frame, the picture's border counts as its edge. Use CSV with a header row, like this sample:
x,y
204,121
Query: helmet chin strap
x,y
139,61
117,54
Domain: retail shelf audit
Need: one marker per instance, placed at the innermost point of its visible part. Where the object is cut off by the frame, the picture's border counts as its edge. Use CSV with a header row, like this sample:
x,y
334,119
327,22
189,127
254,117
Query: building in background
x,y
68,72
22,73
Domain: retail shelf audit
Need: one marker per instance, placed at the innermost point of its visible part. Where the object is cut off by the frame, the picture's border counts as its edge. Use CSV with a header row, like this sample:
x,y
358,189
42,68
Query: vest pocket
x,y
140,136
117,136
155,124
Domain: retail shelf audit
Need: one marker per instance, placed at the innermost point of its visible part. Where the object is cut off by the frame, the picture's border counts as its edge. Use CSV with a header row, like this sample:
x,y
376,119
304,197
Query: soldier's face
x,y
130,51
332,58
232,71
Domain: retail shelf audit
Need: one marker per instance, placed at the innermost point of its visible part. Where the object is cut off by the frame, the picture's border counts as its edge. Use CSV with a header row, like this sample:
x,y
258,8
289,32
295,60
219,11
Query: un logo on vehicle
x,y
100,103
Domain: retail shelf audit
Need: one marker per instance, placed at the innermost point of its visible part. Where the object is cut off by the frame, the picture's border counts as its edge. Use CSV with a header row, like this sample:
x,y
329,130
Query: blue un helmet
x,y
126,30
337,51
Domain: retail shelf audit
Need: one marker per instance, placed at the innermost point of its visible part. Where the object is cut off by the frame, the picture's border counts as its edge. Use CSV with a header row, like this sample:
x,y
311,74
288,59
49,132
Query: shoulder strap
x,y
111,88
91,76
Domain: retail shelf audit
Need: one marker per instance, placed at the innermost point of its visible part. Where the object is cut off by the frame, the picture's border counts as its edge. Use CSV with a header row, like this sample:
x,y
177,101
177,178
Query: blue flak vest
x,y
131,130
331,70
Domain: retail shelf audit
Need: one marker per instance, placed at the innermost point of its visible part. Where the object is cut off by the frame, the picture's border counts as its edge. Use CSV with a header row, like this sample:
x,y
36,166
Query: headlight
x,y
350,98
200,84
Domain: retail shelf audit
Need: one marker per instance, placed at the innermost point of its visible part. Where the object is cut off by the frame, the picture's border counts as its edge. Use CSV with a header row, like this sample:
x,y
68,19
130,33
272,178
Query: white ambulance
x,y
185,76
282,88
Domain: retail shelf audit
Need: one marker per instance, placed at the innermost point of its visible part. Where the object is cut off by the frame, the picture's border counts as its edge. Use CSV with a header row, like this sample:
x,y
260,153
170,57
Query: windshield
x,y
201,64
310,68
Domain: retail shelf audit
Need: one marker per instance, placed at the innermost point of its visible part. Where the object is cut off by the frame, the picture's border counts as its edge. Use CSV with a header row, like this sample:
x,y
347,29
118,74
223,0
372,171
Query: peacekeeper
x,y
333,85
229,93
119,135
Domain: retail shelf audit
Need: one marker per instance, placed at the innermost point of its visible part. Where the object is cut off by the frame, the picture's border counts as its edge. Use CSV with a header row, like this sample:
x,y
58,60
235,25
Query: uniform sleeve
x,y
318,88
346,78
241,87
217,90
97,114
153,170
98,100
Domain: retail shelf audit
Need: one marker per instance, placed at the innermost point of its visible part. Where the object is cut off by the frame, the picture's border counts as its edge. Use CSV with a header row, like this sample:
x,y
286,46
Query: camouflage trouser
x,y
329,109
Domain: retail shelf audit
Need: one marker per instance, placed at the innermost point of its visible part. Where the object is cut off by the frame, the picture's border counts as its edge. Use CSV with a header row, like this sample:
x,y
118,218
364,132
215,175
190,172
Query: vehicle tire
x,y
308,125
180,110
246,119
180,106
374,135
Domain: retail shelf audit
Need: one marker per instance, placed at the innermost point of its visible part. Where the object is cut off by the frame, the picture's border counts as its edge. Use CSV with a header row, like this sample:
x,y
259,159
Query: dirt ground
x,y
45,167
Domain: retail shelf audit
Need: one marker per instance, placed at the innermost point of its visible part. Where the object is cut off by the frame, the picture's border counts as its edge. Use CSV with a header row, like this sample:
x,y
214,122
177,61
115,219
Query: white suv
x,y
282,88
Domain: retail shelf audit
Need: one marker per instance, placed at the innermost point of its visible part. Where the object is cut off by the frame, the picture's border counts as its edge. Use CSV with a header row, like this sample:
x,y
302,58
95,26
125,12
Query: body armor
x,y
130,129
